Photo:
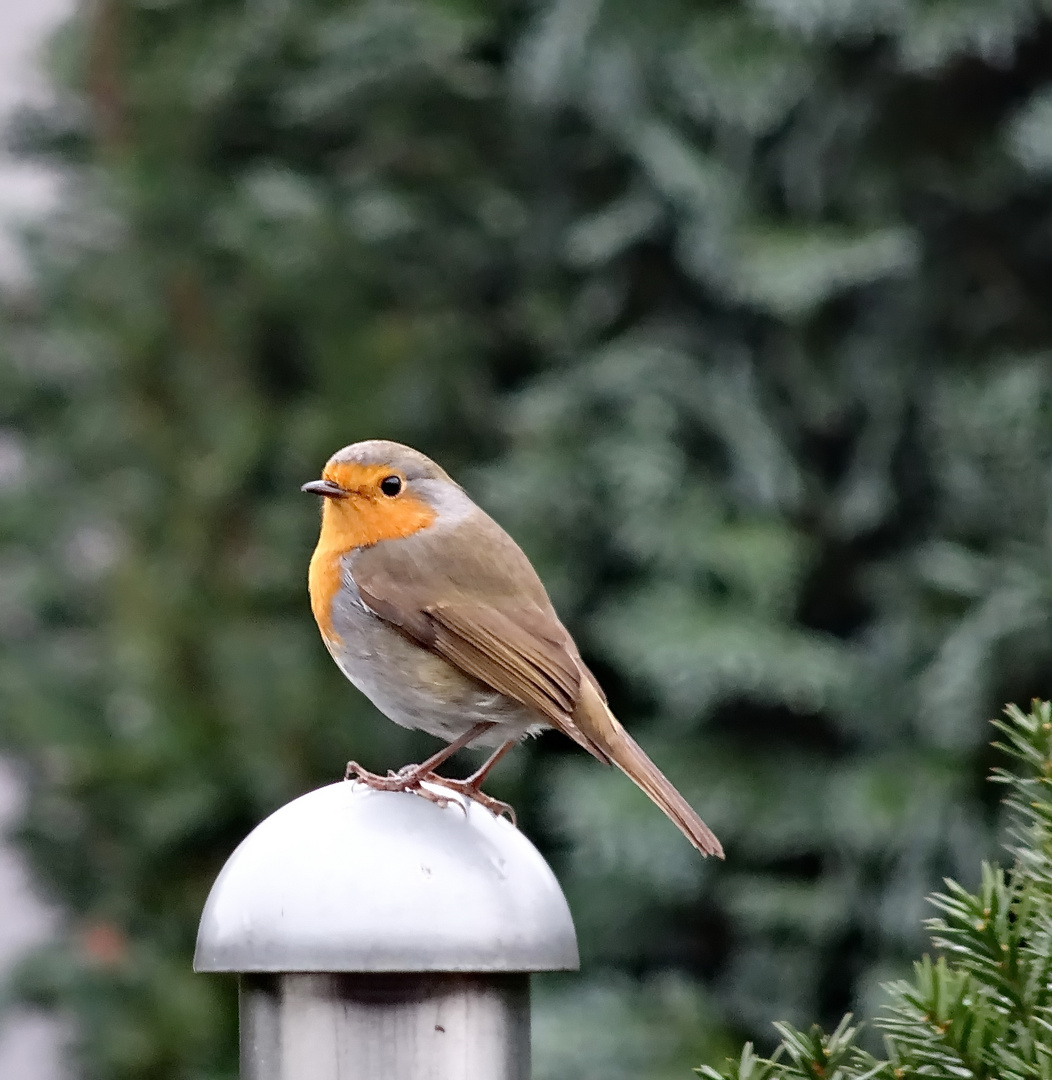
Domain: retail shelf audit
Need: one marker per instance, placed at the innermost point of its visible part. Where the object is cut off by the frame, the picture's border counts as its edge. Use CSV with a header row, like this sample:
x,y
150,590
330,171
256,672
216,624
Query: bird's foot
x,y
472,791
408,778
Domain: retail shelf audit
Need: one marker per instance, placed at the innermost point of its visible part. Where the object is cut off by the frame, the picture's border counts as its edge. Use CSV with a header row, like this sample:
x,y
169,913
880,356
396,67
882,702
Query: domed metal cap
x,y
349,879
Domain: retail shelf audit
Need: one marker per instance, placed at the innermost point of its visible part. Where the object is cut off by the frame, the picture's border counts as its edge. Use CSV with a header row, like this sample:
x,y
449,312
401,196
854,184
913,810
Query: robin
x,y
432,610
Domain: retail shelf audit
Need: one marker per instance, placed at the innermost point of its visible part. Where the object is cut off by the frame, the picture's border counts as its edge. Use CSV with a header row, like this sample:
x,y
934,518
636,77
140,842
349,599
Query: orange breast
x,y
360,520
323,581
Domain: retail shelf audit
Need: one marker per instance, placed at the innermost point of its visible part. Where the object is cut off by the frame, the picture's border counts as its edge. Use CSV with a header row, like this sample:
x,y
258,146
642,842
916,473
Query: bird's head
x,y
378,490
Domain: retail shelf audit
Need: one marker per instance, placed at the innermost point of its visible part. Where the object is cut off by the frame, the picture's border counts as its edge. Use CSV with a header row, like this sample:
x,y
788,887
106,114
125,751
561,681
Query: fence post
x,y
379,936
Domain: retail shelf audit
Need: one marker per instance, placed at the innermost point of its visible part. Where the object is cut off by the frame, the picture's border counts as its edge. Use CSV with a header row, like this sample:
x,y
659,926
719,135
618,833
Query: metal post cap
x,y
345,878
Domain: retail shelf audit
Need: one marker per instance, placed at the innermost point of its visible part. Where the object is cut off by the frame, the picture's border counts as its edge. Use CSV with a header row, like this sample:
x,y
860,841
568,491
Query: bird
x,y
438,617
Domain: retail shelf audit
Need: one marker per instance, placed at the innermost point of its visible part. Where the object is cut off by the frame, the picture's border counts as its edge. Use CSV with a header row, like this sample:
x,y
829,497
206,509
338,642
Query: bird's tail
x,y
602,728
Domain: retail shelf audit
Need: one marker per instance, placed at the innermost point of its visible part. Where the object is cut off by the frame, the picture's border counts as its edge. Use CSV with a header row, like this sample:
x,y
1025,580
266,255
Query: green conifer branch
x,y
982,1009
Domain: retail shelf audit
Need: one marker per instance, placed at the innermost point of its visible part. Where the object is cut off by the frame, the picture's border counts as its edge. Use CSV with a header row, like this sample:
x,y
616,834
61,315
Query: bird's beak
x,y
326,488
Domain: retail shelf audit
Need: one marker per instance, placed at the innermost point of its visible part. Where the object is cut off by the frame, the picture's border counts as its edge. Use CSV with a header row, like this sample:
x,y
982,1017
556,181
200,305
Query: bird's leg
x,y
471,787
408,779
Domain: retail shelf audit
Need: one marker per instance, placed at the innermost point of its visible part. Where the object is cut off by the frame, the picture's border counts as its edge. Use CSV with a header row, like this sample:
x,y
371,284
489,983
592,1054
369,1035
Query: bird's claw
x,y
403,780
407,779
393,781
467,790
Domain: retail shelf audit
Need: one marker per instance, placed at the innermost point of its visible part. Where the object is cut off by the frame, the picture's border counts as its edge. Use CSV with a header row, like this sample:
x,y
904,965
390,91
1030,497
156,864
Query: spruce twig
x,y
982,1009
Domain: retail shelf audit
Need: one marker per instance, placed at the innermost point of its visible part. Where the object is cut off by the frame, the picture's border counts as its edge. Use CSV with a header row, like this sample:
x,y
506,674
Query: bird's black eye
x,y
391,485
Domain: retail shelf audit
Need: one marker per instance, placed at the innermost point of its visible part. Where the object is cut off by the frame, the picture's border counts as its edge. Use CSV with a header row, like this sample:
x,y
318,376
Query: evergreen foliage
x,y
734,314
982,1009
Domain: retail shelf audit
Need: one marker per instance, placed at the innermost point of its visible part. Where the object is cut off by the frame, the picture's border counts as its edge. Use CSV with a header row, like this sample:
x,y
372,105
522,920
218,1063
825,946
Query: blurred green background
x,y
737,315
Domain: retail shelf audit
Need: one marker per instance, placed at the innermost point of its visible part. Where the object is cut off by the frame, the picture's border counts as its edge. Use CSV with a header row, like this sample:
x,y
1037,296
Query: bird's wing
x,y
513,646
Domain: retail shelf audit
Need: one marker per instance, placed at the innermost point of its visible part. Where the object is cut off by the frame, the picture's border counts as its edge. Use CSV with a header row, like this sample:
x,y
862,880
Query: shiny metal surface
x,y
354,880
385,1027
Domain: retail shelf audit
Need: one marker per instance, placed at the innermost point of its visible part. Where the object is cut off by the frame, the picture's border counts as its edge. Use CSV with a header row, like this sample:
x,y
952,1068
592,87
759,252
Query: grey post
x,y
380,936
